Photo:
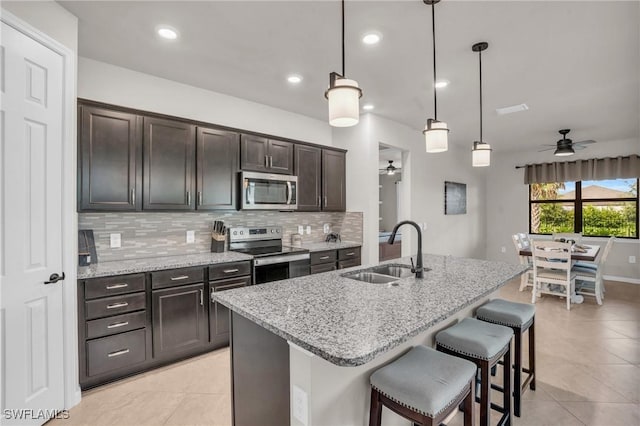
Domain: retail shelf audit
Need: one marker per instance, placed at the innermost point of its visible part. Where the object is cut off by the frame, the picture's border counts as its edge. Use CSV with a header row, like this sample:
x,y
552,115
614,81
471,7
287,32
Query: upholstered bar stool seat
x,y
423,385
484,344
520,317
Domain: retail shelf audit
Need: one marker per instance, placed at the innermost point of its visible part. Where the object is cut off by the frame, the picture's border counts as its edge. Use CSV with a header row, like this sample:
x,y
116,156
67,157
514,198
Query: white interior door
x,y
31,117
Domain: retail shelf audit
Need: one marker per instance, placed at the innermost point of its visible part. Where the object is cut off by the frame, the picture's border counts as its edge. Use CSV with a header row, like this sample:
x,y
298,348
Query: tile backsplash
x,y
164,234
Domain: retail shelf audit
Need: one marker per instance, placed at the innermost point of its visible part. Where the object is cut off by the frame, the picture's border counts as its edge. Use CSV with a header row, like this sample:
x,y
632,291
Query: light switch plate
x,y
300,229
300,405
326,228
191,237
308,229
632,259
503,249
115,240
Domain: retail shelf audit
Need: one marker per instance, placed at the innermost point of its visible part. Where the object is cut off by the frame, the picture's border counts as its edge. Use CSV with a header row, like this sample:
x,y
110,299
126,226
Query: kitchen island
x,y
303,349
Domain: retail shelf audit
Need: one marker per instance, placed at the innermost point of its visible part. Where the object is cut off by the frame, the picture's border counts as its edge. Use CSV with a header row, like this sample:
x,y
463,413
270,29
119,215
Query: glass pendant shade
x,y
481,154
436,136
344,103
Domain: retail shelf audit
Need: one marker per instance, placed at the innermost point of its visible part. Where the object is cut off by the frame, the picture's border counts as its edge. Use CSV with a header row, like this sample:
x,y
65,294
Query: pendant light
x,y
481,153
391,169
435,132
343,95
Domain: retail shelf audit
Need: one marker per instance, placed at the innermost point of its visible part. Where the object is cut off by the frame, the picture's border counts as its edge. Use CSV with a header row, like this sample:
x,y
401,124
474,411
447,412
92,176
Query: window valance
x,y
624,167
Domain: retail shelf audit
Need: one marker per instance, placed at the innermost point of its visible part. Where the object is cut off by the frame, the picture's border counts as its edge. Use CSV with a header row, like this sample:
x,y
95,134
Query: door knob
x,y
54,278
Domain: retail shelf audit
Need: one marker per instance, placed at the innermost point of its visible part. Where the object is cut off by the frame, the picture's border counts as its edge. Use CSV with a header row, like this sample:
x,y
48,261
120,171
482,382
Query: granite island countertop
x,y
133,266
349,323
322,246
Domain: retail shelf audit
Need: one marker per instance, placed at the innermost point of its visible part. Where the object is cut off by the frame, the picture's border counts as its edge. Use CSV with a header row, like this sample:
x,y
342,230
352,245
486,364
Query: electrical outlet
x,y
632,259
191,237
115,240
300,229
326,228
503,249
308,229
300,405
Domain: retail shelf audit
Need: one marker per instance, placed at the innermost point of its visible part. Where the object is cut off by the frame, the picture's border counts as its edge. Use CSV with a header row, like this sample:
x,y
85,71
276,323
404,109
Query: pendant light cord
x,y
480,62
343,72
433,29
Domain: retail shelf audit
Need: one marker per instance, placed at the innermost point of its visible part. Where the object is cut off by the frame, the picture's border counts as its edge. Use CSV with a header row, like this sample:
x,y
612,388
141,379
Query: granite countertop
x,y
321,246
157,264
349,323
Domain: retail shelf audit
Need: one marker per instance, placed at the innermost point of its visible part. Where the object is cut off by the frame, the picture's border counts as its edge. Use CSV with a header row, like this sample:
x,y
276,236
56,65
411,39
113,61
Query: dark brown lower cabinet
x,y
179,320
330,260
219,315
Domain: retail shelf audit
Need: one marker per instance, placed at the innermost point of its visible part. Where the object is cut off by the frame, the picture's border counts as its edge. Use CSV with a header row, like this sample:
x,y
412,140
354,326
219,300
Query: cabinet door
x,y
333,181
217,158
169,165
254,153
219,325
110,159
280,157
308,162
179,320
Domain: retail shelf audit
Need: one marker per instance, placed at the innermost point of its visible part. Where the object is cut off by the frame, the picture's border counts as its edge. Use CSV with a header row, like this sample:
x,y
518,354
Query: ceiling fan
x,y
566,146
390,169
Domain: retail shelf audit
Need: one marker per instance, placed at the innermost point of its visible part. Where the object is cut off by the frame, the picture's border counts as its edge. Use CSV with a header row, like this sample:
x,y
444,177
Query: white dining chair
x,y
552,269
592,273
521,242
575,236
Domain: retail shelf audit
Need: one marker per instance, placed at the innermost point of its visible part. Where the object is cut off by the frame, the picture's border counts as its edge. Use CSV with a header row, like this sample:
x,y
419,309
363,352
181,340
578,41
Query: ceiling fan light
x,y
481,154
436,136
564,151
391,169
344,102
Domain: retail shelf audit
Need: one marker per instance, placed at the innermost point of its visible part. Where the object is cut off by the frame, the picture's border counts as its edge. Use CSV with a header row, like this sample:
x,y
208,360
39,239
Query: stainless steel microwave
x,y
267,191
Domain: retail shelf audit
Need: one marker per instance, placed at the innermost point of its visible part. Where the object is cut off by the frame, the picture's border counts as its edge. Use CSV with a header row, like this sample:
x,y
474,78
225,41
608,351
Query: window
x,y
595,208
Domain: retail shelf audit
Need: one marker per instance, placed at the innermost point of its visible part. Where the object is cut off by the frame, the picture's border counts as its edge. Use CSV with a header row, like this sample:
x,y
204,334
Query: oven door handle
x,y
289,192
280,259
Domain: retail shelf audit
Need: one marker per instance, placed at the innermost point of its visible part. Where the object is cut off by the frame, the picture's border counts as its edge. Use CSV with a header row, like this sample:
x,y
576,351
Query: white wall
x,y
423,176
508,205
108,83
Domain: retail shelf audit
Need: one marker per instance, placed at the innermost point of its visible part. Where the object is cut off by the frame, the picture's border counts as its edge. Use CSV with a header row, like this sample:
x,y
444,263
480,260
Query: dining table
x,y
589,254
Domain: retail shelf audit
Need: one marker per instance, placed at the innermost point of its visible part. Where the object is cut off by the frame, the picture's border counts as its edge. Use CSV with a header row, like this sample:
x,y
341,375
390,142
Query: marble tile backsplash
x,y
147,235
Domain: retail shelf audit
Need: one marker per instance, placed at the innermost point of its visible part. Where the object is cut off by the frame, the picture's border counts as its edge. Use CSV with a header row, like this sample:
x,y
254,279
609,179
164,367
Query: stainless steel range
x,y
271,260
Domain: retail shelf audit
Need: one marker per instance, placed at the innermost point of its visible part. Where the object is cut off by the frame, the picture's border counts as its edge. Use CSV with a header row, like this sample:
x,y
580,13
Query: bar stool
x,y
423,386
484,344
520,317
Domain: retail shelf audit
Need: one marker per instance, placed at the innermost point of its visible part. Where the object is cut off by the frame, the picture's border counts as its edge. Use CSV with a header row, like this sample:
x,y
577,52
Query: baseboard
x,y
622,279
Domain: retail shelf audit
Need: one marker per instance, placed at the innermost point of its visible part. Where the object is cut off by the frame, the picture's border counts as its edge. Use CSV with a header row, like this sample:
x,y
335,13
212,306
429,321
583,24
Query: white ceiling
x,y
575,64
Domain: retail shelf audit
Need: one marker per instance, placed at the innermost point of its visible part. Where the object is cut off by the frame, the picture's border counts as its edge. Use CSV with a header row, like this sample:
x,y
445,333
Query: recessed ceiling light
x,y
441,84
294,79
372,38
512,109
368,107
167,32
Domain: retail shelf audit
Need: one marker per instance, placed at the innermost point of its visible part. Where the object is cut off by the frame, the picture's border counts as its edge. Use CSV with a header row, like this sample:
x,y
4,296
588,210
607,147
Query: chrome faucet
x,y
419,267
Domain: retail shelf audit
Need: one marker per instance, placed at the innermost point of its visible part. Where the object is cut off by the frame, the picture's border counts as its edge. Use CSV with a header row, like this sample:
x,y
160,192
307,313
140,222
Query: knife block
x,y
218,243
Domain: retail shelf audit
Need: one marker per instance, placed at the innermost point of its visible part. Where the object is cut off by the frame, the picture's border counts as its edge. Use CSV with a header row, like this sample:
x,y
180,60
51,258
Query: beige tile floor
x,y
588,374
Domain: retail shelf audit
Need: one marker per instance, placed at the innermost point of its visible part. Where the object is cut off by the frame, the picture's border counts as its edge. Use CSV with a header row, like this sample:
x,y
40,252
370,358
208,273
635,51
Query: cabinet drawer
x,y
228,270
230,284
118,324
174,277
348,263
328,256
114,352
325,267
349,253
114,305
109,286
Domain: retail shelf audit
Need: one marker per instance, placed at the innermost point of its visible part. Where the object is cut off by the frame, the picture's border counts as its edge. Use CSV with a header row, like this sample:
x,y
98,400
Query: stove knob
x,y
273,230
235,232
241,232
278,231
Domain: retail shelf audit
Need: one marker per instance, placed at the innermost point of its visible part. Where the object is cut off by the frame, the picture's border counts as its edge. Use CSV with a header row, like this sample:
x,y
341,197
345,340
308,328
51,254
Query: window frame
x,y
578,202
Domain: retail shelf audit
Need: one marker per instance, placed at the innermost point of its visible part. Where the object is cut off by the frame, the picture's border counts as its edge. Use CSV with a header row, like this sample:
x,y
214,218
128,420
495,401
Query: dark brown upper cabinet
x,y
110,160
308,168
260,154
333,181
217,168
169,165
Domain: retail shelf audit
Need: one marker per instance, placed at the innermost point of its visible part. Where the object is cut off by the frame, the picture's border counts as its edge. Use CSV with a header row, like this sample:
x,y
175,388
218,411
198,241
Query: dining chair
x,y
592,273
521,242
575,236
552,270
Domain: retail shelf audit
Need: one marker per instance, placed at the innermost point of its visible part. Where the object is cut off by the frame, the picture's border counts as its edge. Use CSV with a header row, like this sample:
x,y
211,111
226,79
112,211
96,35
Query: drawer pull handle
x,y
115,286
324,257
350,253
230,271
118,353
118,324
181,277
201,297
117,305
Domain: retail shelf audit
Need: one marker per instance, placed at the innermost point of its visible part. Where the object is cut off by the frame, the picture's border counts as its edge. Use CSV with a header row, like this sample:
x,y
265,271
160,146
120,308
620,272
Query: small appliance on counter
x,y
86,248
218,237
333,237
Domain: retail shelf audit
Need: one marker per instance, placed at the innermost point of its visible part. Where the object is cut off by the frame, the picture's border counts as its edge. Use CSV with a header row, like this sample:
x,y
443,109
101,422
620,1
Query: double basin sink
x,y
383,274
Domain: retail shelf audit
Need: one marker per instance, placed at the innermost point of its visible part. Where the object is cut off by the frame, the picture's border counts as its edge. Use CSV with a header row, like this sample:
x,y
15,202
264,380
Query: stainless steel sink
x,y
371,277
400,271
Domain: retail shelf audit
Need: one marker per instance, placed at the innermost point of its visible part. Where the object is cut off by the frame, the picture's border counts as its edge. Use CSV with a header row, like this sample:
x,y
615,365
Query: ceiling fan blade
x,y
549,144
548,149
578,147
587,142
